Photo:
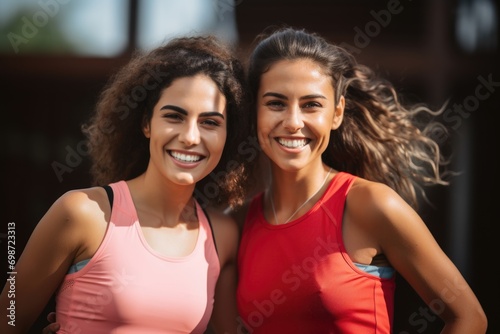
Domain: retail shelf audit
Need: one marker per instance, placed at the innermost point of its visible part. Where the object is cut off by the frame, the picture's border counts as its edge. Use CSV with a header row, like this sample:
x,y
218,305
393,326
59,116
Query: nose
x,y
190,134
293,119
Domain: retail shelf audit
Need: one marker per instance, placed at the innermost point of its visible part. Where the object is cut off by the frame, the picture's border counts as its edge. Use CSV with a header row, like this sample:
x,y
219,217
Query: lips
x,y
185,157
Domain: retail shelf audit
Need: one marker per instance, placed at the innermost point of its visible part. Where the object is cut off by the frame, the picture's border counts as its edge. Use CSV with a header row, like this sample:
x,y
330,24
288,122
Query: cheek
x,y
217,141
323,123
265,121
323,128
263,113
263,133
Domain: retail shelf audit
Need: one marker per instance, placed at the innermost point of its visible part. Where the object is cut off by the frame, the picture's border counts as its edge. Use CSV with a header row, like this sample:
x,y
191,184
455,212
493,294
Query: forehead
x,y
199,90
298,74
190,84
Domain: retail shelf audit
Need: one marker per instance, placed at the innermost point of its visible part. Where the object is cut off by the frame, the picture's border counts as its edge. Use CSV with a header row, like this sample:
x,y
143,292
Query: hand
x,y
53,327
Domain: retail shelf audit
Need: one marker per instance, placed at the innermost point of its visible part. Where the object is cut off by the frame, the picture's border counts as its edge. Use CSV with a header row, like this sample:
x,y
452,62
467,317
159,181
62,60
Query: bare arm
x,y
51,249
225,315
410,247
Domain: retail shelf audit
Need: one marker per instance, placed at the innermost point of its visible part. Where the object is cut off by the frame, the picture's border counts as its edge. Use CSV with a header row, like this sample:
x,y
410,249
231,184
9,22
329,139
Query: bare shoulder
x,y
78,219
373,192
81,204
77,215
369,201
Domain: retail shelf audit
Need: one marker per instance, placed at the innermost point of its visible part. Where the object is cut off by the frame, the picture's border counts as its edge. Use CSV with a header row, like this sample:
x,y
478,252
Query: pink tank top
x,y
298,277
127,287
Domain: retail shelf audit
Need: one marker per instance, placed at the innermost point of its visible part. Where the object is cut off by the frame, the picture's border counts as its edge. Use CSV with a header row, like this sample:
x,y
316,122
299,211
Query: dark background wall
x,y
45,98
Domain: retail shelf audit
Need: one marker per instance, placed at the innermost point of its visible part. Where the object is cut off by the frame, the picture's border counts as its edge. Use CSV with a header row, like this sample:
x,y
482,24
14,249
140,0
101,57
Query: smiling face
x,y
187,130
295,113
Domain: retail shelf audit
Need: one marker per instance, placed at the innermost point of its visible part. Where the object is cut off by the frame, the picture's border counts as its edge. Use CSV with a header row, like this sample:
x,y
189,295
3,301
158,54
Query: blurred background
x,y
56,56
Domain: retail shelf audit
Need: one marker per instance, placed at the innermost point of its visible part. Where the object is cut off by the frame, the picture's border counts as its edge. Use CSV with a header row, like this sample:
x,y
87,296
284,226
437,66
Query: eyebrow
x,y
185,113
305,97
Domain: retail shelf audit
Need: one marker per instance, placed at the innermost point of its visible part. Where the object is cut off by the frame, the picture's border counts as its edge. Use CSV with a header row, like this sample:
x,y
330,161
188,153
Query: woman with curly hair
x,y
137,252
321,245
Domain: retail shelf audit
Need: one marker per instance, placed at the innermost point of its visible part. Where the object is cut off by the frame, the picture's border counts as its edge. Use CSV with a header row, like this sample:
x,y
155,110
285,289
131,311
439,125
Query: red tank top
x,y
298,277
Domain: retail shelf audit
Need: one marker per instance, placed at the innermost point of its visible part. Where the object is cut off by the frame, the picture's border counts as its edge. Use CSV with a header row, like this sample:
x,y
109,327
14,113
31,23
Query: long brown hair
x,y
118,148
379,139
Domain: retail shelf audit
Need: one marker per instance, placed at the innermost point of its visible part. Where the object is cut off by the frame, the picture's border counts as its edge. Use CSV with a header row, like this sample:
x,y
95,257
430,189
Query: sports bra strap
x,y
109,191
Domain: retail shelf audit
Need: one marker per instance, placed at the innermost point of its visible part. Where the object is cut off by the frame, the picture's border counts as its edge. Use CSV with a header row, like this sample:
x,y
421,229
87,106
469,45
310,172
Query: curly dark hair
x,y
117,146
379,139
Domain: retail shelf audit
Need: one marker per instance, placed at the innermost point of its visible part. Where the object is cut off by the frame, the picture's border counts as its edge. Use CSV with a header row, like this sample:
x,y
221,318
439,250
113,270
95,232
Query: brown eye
x,y
173,116
275,105
211,122
312,104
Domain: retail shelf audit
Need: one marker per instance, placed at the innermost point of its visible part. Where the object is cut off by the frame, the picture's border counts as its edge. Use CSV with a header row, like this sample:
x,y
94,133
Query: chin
x,y
185,180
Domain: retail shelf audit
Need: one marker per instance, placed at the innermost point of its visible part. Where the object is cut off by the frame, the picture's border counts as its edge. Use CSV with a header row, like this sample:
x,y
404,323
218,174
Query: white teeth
x,y
185,157
292,143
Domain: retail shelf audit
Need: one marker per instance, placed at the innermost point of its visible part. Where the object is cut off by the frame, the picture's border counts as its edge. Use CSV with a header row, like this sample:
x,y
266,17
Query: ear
x,y
338,114
146,127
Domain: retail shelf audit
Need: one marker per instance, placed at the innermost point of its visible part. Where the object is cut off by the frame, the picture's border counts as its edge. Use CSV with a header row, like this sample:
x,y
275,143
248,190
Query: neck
x,y
293,193
294,187
163,202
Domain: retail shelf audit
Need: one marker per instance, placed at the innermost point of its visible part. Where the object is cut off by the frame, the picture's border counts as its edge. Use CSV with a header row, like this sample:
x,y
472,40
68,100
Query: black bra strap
x,y
109,191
